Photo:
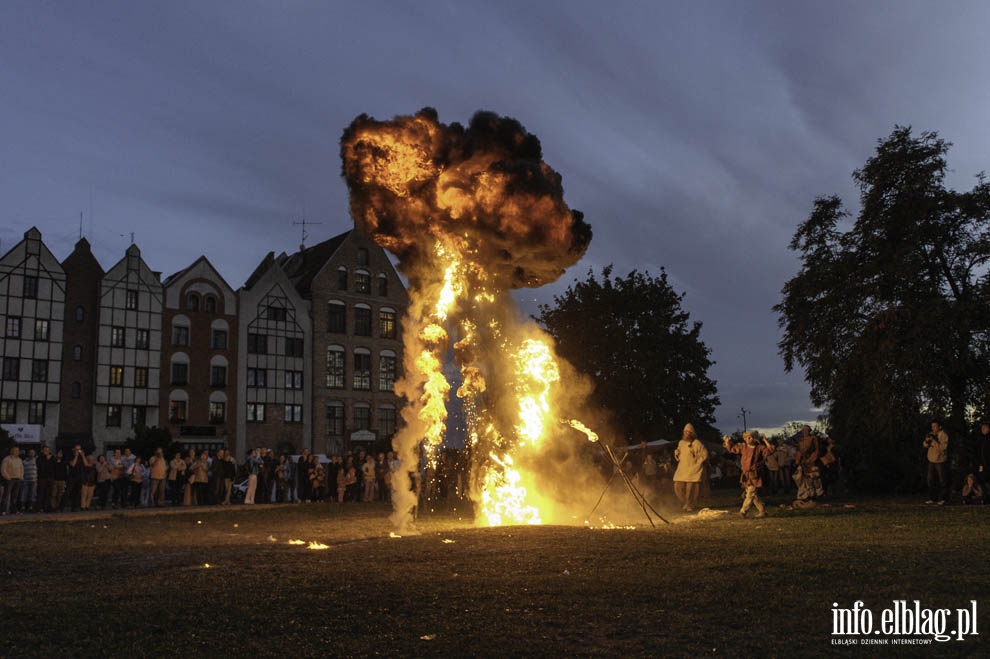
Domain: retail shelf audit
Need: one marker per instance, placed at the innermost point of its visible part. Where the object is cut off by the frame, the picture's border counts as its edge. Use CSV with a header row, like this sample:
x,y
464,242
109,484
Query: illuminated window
x,y
176,411
335,367
386,324
362,282
8,411
141,377
40,330
218,411
117,337
116,376
293,379
362,370
256,413
293,414
113,416
386,372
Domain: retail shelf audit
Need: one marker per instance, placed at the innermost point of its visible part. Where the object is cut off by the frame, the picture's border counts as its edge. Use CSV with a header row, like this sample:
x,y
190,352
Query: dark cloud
x,y
693,135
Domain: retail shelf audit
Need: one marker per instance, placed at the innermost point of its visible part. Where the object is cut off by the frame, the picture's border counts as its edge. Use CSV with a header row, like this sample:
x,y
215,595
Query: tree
x,y
888,313
648,363
147,440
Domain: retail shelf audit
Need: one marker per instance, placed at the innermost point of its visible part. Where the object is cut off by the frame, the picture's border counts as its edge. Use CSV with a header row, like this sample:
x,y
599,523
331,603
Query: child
x,y
972,493
752,454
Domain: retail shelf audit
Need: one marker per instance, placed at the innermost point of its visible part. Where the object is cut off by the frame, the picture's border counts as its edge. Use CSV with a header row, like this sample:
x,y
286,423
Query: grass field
x,y
226,582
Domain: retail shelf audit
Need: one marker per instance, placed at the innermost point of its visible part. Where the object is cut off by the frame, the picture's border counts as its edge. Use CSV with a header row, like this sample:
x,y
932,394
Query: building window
x,y
386,421
76,353
180,373
80,314
131,301
192,302
294,346
116,376
36,413
383,285
39,370
362,282
362,371
386,373
362,321
41,330
141,377
218,340
30,287
336,317
335,368
8,411
218,411
113,416
335,420
386,323
293,413
362,256
293,379
180,335
342,279
258,344
257,377
210,304
362,417
75,390
276,314
11,368
176,411
218,376
13,327
256,412
143,339
139,417
117,337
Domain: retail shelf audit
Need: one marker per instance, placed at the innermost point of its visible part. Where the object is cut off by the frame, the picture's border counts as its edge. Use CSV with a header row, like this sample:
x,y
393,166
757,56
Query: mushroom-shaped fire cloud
x,y
470,213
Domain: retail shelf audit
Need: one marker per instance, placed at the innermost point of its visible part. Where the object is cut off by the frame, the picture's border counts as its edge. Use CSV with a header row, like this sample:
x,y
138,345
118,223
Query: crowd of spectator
x,y
63,481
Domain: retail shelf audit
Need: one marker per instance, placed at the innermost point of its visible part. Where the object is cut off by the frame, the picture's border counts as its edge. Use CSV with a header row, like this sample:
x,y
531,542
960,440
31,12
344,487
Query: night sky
x,y
693,135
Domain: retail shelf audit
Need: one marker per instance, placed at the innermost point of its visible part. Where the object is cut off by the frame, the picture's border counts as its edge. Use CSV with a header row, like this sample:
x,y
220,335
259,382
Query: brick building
x,y
199,357
356,300
83,275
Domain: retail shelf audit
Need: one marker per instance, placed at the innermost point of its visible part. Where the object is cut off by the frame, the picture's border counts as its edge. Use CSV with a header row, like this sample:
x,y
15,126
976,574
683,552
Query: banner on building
x,y
23,433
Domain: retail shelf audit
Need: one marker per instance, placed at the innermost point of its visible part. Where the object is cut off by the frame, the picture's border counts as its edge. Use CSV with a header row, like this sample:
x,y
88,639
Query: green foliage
x,y
633,339
888,315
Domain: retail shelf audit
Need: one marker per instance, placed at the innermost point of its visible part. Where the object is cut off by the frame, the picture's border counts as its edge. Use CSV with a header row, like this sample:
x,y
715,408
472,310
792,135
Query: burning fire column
x,y
470,214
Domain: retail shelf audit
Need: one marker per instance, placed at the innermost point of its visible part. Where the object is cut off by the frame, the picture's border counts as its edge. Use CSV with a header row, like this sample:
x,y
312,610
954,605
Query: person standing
x,y
806,458
176,474
46,479
253,468
104,481
29,486
88,486
691,455
12,472
752,455
61,477
937,444
368,478
159,470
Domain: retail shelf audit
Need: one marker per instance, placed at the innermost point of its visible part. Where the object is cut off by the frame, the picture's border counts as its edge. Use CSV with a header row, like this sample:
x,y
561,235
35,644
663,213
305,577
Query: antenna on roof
x,y
303,222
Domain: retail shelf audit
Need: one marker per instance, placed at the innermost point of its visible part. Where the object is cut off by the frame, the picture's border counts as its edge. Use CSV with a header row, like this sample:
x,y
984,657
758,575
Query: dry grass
x,y
133,584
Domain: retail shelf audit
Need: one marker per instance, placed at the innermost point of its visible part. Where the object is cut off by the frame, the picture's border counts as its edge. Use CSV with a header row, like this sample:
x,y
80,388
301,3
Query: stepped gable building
x,y
356,300
274,380
32,307
199,357
83,276
128,351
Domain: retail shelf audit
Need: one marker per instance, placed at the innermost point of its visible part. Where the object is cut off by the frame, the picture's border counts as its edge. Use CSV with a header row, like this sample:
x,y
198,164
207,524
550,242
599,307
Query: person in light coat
x,y
691,455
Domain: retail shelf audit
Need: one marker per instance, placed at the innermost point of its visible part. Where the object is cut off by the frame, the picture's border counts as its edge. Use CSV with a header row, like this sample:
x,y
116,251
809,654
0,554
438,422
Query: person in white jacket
x,y
691,455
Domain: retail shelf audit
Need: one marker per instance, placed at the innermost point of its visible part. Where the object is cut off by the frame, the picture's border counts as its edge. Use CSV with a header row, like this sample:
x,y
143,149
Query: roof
x,y
302,267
